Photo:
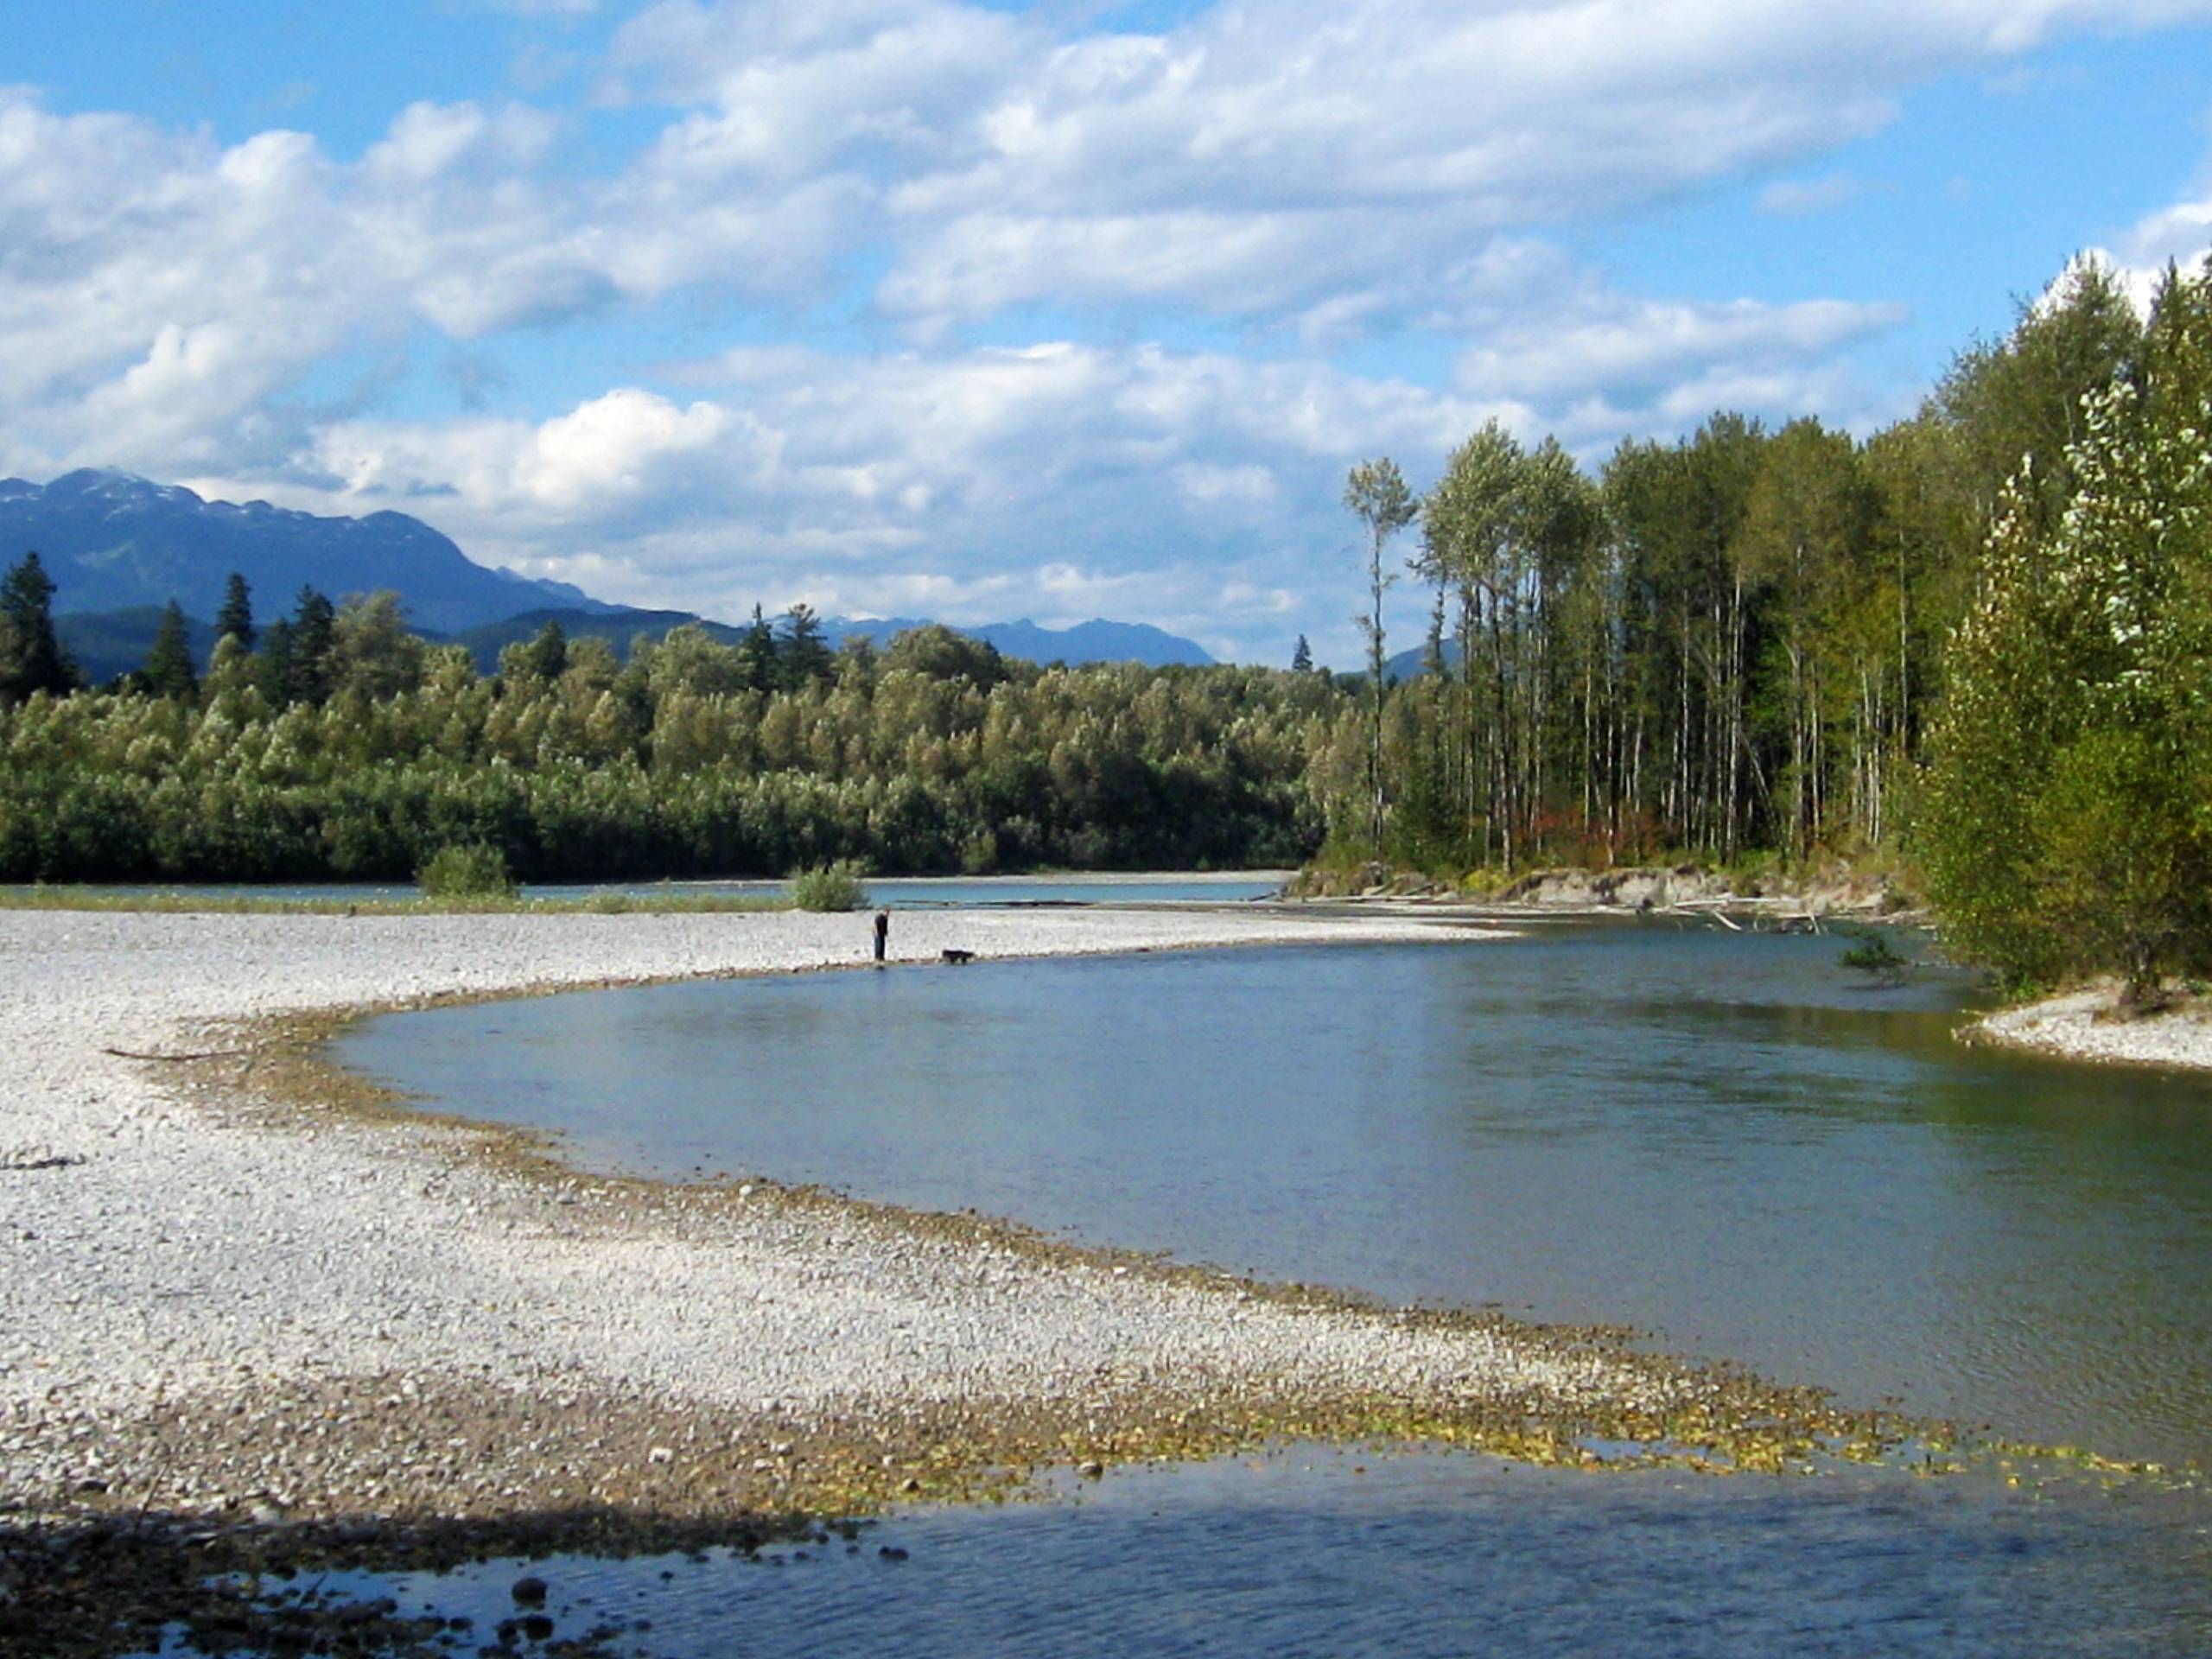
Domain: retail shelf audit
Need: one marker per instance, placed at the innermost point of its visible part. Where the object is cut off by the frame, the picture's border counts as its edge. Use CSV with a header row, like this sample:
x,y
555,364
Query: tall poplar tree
x,y
1377,496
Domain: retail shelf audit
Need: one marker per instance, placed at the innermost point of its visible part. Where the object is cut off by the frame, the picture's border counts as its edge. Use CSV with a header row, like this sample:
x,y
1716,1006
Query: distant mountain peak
x,y
113,541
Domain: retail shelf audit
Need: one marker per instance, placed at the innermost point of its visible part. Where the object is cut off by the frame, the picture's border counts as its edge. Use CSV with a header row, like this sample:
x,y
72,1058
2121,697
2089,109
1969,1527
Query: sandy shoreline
x,y
207,1314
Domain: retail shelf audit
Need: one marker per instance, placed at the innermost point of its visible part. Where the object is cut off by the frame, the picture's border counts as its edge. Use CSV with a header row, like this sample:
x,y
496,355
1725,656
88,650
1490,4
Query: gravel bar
x,y
230,1297
2080,1025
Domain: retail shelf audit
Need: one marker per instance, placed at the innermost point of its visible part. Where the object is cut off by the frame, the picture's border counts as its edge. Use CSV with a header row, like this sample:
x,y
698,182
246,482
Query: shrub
x,y
470,870
1873,955
829,886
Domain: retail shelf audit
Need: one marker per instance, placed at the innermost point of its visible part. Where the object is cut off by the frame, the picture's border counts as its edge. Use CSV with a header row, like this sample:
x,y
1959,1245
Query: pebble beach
x,y
2080,1026
229,1297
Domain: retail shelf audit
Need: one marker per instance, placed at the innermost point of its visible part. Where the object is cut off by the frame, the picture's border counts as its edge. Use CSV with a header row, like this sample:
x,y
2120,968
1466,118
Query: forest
x,y
1970,646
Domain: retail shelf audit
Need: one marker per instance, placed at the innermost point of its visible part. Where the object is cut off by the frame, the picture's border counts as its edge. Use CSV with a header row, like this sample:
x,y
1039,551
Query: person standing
x,y
882,934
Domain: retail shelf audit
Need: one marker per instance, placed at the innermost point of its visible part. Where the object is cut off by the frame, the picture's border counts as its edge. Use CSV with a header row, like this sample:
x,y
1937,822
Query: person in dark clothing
x,y
882,932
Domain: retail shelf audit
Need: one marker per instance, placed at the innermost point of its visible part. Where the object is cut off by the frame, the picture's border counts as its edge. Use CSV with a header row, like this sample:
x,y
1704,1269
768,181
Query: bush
x,y
829,886
1873,955
472,870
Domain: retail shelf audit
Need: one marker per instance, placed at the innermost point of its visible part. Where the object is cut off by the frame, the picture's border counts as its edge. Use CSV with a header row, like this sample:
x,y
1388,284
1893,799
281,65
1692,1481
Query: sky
x,y
980,311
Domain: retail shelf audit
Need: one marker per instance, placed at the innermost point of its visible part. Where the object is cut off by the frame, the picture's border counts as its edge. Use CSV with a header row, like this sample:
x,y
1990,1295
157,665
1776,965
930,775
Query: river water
x,y
1727,1142
1724,1140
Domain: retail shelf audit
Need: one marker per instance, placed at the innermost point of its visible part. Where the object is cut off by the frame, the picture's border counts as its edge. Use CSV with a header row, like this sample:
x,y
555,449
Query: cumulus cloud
x,y
1627,347
1307,177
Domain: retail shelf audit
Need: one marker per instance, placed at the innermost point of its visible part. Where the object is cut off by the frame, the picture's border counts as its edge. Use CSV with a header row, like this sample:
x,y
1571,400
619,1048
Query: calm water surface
x,y
1328,1553
1723,1141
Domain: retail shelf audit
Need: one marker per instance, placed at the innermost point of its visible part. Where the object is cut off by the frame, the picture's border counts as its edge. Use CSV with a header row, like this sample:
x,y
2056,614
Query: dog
x,y
957,957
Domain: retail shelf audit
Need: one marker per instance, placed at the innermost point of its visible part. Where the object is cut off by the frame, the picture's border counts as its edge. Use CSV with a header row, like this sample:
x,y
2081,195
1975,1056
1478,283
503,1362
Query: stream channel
x,y
1725,1141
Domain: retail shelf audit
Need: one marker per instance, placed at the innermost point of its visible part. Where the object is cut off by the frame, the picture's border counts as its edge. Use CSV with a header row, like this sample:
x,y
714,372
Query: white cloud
x,y
1605,343
1299,178
588,465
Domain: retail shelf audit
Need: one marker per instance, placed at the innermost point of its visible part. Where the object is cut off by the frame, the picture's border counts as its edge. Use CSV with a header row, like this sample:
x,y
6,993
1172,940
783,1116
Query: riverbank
x,y
2084,1025
1842,893
231,1300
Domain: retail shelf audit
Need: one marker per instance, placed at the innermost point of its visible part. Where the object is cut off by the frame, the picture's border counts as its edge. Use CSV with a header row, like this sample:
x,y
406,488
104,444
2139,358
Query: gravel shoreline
x,y
2078,1025
228,1305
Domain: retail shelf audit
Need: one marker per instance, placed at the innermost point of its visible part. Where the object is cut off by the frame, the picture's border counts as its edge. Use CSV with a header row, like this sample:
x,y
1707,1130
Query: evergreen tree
x,y
546,656
1301,660
802,655
31,656
274,664
314,640
756,655
235,620
168,672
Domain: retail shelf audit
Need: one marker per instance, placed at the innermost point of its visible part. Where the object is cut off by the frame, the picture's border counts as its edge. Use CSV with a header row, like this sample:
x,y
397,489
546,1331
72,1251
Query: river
x,y
1725,1142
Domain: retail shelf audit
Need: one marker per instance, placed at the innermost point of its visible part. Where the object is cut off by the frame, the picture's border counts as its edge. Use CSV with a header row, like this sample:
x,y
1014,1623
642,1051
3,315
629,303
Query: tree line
x,y
1972,643
335,744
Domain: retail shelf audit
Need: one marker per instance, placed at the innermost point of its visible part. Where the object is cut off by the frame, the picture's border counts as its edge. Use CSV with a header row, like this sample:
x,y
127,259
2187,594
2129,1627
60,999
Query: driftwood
x,y
52,1160
176,1059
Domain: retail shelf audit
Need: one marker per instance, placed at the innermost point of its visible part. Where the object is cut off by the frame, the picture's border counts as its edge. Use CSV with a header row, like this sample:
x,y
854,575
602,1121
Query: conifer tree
x,y
31,656
168,672
314,639
756,655
802,655
235,620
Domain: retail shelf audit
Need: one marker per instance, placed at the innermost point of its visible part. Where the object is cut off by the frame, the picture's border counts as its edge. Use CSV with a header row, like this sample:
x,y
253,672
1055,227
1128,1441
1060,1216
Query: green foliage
x,y
31,656
168,672
934,758
2067,825
235,618
1873,954
467,870
833,886
1377,495
802,655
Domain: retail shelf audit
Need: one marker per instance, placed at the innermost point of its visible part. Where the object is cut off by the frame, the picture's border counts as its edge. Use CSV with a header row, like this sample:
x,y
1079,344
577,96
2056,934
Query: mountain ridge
x,y
119,547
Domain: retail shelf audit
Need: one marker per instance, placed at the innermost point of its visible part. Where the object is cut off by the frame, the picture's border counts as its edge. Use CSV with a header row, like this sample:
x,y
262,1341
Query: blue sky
x,y
914,306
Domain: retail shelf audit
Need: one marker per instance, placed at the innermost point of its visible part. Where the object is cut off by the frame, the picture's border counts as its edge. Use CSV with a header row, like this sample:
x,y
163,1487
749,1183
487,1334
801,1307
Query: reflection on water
x,y
1421,1556
1723,1141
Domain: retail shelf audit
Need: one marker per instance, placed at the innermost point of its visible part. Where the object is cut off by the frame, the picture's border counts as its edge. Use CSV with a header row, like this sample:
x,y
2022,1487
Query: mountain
x,y
109,643
113,542
119,548
1410,665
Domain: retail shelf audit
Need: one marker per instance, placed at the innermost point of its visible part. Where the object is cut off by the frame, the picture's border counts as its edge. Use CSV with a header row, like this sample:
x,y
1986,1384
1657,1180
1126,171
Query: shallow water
x,y
1421,1556
1725,1141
